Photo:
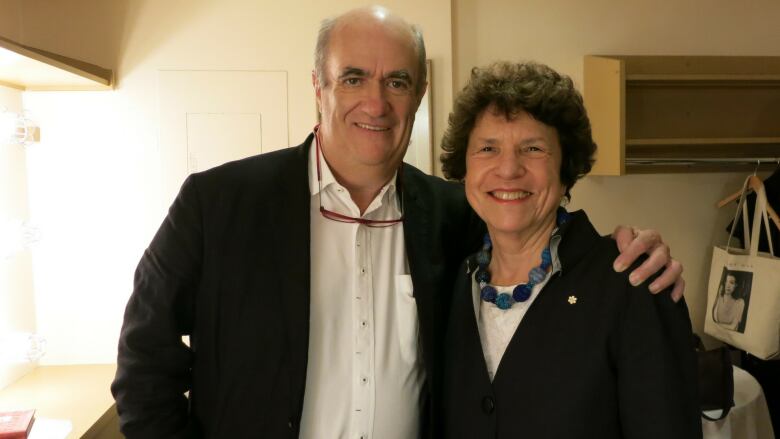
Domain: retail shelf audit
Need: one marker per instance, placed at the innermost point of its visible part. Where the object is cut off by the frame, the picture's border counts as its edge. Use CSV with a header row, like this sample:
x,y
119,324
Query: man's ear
x,y
315,82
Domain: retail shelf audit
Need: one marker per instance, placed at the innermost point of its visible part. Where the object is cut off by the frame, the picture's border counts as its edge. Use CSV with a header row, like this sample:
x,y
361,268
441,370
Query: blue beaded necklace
x,y
522,292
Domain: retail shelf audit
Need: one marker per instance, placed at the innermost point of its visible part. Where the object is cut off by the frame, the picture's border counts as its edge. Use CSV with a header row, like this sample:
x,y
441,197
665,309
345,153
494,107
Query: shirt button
x,y
488,405
364,380
364,323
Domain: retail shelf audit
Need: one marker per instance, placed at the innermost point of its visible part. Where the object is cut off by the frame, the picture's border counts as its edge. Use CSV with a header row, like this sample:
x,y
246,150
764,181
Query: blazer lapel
x,y
578,237
416,229
466,310
418,244
292,244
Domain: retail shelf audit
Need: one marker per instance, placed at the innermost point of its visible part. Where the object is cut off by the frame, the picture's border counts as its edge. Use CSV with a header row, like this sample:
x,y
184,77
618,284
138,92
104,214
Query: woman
x,y
730,306
546,340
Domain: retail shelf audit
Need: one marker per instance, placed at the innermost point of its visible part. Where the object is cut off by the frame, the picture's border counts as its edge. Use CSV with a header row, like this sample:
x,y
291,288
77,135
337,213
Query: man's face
x,y
369,97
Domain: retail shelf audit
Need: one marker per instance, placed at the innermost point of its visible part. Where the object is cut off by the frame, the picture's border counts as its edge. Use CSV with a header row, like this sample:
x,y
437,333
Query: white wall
x,y
17,308
95,176
560,32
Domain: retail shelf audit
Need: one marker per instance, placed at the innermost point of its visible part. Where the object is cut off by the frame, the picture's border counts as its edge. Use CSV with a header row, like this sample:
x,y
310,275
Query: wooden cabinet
x,y
683,113
27,68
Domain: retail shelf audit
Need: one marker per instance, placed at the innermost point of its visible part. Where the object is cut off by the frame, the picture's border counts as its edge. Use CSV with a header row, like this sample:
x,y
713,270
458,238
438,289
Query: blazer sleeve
x,y
656,368
153,364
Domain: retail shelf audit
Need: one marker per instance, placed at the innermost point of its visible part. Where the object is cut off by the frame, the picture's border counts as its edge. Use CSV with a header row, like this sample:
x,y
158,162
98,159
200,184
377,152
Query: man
x,y
300,275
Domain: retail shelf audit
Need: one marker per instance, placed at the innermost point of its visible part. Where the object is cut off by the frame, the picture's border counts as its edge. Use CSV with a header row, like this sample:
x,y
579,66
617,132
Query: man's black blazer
x,y
229,267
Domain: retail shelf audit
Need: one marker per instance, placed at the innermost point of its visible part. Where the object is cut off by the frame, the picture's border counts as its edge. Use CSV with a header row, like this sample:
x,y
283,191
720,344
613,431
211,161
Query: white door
x,y
209,117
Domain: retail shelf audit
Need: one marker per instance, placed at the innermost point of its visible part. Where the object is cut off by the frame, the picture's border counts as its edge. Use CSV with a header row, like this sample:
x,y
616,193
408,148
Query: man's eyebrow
x,y
353,71
400,74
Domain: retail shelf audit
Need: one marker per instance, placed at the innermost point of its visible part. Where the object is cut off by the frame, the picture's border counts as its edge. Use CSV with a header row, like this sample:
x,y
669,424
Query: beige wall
x,y
94,180
95,176
560,32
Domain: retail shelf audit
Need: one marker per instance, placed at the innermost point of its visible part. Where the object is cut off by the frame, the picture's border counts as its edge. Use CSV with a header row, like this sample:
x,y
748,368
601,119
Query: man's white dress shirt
x,y
364,373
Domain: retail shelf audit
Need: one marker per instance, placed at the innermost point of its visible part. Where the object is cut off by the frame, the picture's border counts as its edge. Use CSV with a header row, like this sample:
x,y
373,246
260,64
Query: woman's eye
x,y
487,148
534,151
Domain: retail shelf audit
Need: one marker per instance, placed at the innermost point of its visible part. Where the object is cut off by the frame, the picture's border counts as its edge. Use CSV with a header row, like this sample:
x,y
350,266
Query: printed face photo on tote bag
x,y
733,300
743,295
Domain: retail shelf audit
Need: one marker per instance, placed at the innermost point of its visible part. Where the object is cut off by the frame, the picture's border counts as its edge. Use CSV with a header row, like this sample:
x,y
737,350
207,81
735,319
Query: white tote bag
x,y
743,301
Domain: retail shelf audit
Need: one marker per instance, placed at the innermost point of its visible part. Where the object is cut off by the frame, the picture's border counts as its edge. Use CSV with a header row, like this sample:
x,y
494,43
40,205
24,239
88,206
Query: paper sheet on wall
x,y
208,117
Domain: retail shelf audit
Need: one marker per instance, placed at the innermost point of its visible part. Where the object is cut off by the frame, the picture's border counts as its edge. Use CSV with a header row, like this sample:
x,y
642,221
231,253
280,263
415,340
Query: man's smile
x,y
366,126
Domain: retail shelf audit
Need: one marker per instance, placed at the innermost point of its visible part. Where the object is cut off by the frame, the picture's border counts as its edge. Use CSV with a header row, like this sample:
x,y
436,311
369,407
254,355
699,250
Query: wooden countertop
x,y
79,393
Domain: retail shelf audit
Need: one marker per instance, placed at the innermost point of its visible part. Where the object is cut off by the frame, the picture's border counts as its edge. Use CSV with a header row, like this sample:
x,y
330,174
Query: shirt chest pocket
x,y
407,321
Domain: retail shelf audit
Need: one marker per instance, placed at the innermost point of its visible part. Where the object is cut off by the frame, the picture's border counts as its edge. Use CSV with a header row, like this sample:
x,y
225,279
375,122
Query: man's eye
x,y
398,84
352,81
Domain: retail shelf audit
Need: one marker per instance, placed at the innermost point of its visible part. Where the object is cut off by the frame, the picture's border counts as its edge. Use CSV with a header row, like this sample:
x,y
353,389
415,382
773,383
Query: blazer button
x,y
488,405
291,424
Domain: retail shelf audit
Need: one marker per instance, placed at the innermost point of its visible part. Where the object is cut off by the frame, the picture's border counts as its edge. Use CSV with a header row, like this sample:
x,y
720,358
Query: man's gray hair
x,y
323,40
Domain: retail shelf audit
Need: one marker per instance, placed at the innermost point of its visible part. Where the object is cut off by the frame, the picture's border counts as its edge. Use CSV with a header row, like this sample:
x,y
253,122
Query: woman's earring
x,y
564,201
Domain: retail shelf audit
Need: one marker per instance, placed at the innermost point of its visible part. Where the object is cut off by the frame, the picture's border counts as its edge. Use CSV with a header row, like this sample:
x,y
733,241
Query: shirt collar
x,y
555,241
329,180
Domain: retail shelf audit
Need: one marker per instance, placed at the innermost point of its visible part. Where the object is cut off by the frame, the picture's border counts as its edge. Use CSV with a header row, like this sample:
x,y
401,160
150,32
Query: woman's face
x,y
730,285
513,172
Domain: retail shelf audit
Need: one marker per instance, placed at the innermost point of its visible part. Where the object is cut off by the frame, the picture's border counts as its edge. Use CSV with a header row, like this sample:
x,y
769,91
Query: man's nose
x,y
375,102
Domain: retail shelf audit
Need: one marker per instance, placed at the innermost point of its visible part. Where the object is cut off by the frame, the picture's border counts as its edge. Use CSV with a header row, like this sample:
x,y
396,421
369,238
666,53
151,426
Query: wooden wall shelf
x,y
682,107
27,68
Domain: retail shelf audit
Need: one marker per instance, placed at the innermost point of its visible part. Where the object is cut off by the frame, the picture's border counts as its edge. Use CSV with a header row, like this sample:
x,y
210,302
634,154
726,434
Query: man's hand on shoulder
x,y
632,243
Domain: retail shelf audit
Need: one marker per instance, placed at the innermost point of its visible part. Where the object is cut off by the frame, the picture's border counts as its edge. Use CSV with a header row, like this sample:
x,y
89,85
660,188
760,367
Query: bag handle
x,y
760,216
723,414
746,232
741,206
